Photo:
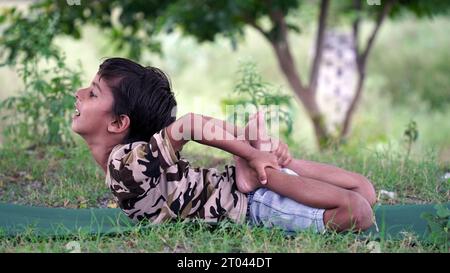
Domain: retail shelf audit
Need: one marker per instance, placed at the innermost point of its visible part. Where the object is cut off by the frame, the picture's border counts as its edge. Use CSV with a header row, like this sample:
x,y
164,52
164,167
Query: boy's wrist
x,y
251,152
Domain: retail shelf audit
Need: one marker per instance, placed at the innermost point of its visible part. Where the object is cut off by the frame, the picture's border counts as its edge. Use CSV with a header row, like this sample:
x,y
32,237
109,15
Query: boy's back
x,y
150,180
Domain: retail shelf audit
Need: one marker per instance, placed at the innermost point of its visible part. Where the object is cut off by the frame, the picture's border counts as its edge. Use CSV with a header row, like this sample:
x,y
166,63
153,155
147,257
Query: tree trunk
x,y
307,97
351,110
278,38
324,6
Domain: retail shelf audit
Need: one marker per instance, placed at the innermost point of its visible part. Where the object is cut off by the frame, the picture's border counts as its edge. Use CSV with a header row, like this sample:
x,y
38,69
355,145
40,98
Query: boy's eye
x,y
92,94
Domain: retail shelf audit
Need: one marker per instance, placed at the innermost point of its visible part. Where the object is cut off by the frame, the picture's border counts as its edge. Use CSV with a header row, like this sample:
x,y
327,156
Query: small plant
x,y
439,226
255,94
40,115
411,134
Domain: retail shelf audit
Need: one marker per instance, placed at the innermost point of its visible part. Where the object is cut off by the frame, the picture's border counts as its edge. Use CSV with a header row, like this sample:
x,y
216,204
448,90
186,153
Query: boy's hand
x,y
259,160
281,152
259,139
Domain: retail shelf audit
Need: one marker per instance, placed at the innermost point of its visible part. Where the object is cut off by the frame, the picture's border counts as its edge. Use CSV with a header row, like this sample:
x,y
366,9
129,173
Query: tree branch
x,y
280,43
357,6
319,45
258,28
278,21
386,9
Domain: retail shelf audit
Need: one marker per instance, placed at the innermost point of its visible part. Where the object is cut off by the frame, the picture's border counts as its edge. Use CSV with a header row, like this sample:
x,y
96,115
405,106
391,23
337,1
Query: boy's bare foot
x,y
257,126
246,177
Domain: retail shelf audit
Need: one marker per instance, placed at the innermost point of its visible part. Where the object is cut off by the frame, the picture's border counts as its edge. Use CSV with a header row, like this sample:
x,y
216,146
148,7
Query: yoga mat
x,y
392,221
19,219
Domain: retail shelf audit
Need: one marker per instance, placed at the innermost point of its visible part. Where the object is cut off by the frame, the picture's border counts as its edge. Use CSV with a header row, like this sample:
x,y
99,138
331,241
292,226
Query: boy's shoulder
x,y
155,153
132,157
125,150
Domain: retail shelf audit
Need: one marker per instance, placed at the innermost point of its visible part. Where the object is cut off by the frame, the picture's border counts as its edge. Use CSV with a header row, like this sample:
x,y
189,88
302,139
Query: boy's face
x,y
94,105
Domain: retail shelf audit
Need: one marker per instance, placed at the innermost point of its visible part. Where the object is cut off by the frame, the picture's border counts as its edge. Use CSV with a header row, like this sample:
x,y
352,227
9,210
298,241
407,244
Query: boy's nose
x,y
78,93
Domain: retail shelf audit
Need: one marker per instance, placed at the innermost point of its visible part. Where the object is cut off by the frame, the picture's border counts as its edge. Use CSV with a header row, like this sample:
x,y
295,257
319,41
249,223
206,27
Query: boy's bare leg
x,y
335,176
344,209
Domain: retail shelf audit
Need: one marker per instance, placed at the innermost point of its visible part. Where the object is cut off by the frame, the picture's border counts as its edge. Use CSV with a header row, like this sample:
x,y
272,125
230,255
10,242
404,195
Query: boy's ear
x,y
120,124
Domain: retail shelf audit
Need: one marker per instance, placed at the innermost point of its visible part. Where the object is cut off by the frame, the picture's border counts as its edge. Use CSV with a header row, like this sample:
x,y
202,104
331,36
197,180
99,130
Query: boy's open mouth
x,y
77,112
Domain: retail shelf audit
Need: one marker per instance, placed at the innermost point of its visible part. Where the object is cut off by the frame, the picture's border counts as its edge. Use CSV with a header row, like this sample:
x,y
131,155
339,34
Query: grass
x,y
182,237
50,176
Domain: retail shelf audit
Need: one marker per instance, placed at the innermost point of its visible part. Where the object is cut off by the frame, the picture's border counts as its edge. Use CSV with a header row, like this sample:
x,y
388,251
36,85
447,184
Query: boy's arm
x,y
208,131
212,132
192,127
229,127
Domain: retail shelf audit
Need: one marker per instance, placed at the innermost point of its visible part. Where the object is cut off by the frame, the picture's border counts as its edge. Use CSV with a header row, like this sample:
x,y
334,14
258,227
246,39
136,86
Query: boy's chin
x,y
75,129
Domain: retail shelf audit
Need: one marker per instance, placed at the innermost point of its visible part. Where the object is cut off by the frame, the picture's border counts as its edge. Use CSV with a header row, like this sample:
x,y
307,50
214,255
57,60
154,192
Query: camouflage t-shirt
x,y
149,180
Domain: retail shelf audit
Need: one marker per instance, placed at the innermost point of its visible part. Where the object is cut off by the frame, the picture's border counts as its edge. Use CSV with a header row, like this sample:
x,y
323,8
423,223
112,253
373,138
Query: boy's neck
x,y
101,150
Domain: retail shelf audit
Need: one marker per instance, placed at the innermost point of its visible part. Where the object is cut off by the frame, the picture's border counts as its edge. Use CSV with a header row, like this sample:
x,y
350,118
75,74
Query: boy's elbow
x,y
188,115
194,122
190,125
188,119
179,132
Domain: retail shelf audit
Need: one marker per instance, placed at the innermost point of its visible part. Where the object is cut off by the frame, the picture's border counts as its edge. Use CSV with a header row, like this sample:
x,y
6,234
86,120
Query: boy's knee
x,y
367,190
360,211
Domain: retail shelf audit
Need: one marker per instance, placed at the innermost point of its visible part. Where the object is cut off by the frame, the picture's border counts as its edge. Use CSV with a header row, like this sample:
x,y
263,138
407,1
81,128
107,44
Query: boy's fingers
x,y
287,161
279,150
276,165
262,177
278,153
285,155
262,172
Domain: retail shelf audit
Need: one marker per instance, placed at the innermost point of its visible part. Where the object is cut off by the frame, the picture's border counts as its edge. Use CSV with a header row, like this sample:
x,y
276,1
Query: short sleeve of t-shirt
x,y
161,148
155,154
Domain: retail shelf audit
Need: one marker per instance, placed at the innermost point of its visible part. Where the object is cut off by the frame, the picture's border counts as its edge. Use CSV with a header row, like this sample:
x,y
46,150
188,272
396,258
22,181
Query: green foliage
x,y
421,8
253,93
439,226
344,10
41,113
27,37
133,25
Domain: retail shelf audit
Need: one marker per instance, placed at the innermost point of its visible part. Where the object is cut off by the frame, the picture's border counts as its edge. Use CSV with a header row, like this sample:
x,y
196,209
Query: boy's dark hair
x,y
142,93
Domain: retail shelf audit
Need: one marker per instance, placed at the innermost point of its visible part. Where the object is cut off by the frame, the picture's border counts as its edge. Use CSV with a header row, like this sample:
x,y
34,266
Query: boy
x,y
127,119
